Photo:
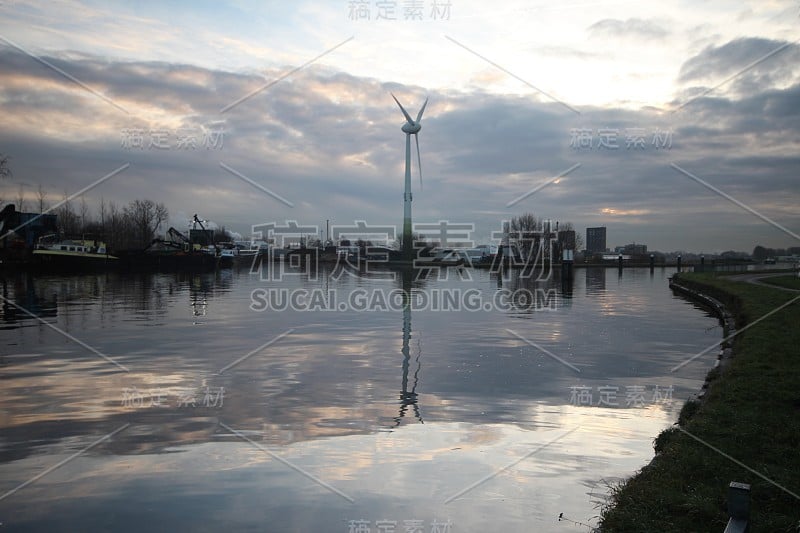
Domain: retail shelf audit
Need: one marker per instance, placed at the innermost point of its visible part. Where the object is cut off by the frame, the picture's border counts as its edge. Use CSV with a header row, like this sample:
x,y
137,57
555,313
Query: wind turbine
x,y
411,127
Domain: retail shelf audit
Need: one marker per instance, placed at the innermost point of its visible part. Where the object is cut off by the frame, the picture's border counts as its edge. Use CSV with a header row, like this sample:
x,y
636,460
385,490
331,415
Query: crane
x,y
196,220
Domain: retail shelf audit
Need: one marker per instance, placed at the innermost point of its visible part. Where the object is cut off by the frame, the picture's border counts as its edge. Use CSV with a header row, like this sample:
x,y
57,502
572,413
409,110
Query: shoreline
x,y
732,430
726,318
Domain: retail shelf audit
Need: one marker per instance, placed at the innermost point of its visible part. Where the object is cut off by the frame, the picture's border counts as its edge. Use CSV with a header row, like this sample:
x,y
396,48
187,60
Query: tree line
x,y
122,227
525,231
760,252
126,227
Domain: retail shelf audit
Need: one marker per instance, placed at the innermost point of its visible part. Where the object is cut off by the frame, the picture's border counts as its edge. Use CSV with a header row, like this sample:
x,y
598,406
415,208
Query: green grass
x,y
723,273
789,282
751,413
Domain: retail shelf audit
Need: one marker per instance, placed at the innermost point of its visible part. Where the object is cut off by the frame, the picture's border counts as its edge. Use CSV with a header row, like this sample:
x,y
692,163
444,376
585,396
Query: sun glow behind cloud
x,y
624,212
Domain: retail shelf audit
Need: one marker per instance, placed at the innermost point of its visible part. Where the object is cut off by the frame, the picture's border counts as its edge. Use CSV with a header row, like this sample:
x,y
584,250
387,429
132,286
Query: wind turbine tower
x,y
411,127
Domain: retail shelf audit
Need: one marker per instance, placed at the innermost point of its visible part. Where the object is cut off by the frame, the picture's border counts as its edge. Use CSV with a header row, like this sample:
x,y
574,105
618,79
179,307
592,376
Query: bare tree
x,y
144,216
525,233
21,198
5,169
83,213
103,215
41,196
112,227
67,219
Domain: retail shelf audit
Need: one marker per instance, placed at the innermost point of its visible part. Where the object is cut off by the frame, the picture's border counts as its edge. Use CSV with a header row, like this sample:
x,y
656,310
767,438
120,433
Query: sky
x,y
674,124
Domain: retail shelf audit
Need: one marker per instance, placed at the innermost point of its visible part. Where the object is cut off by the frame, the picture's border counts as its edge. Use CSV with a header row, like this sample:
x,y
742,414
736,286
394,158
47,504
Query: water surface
x,y
226,417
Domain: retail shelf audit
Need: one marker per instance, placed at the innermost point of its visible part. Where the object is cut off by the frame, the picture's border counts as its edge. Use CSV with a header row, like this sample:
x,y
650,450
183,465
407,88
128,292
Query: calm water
x,y
230,418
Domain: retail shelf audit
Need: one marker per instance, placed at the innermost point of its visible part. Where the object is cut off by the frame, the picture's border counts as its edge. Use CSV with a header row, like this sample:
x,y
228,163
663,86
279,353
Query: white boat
x,y
53,252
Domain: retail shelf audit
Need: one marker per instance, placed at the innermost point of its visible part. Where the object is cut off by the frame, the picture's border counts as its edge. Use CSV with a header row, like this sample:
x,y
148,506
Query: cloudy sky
x,y
674,124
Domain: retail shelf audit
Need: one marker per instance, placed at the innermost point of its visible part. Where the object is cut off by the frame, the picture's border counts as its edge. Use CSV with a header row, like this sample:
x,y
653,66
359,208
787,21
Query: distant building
x,y
635,249
24,228
596,240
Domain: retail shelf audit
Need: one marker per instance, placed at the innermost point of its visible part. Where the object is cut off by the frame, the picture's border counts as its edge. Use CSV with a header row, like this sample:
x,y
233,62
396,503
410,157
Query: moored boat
x,y
53,253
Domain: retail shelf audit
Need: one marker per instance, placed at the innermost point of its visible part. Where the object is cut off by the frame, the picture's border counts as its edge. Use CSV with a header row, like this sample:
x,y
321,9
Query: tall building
x,y
596,240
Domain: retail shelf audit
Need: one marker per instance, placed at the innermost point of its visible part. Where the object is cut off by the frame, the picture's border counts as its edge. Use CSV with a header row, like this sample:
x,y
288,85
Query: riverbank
x,y
749,412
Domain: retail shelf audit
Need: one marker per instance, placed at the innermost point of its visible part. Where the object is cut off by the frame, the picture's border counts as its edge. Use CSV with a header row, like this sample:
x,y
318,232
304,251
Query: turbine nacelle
x,y
411,128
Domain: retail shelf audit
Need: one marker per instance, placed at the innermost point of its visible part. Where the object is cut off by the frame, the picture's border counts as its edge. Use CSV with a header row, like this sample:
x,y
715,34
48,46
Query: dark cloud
x,y
331,143
758,64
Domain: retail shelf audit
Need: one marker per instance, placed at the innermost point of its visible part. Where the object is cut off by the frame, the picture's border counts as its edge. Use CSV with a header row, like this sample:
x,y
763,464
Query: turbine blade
x,y
419,161
421,111
408,117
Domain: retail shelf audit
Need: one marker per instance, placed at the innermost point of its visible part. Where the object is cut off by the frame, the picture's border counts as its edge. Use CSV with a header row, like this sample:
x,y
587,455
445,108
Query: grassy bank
x,y
751,413
789,282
